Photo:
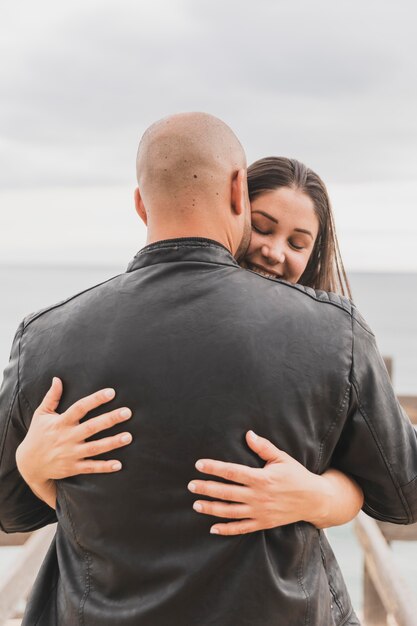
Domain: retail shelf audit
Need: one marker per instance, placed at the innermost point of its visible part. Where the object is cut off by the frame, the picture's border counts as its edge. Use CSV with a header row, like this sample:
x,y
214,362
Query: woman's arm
x,y
55,445
282,492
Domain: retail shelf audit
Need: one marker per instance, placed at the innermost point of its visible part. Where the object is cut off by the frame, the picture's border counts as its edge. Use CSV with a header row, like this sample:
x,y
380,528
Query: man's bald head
x,y
187,158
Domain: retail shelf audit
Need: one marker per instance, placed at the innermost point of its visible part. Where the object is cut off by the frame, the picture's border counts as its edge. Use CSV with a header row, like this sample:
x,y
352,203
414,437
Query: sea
x,y
388,302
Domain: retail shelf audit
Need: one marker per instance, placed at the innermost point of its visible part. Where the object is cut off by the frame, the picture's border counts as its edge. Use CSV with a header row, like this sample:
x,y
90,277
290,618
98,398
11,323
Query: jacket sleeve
x,y
20,509
378,445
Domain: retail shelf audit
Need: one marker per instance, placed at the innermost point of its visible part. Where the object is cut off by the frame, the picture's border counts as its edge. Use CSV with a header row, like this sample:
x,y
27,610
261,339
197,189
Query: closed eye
x,y
261,232
296,247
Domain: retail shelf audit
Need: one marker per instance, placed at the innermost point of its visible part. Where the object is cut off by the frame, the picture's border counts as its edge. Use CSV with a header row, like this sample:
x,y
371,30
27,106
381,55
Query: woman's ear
x,y
239,192
140,207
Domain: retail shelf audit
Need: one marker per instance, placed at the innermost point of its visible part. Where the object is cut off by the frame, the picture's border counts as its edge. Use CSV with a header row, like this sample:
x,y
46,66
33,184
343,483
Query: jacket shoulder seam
x,y
359,323
34,316
314,296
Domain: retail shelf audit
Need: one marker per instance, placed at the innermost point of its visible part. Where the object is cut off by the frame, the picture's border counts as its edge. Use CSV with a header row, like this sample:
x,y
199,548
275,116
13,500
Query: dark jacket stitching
x,y
300,576
3,441
21,394
27,321
6,428
205,262
14,396
345,619
87,588
182,243
26,401
331,588
410,482
332,426
191,244
87,559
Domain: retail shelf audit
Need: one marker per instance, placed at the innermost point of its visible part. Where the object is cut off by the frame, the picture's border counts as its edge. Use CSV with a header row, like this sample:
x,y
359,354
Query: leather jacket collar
x,y
182,249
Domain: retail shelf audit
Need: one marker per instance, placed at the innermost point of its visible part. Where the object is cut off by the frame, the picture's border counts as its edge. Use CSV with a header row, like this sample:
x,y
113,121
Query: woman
x,y
293,239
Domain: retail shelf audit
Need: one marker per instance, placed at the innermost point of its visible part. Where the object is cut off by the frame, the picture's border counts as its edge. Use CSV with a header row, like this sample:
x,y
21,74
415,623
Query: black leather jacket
x,y
201,351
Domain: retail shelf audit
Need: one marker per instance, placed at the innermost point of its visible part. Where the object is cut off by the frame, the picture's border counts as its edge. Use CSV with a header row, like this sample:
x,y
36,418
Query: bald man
x,y
201,351
191,171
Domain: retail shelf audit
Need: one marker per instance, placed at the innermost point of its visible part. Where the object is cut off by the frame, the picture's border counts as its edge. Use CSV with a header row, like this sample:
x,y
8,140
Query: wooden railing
x,y
409,404
387,599
16,583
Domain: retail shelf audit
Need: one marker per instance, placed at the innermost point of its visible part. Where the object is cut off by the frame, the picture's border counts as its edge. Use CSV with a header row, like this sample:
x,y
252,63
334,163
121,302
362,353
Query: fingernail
x,y
109,393
125,413
126,438
199,465
252,435
191,486
197,507
116,466
214,531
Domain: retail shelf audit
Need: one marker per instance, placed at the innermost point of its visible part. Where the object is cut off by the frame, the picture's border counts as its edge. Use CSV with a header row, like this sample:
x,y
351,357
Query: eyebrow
x,y
298,230
267,215
302,230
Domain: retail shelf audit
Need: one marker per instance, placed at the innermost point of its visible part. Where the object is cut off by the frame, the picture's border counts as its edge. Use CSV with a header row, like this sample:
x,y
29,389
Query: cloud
x,y
328,82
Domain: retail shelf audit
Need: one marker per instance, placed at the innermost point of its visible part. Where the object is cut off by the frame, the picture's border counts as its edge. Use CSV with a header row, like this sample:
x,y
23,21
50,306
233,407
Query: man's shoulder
x,y
92,292
325,297
337,302
299,293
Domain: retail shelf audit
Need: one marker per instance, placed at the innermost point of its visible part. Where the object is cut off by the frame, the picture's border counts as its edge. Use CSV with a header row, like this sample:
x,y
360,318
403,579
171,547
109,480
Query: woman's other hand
x,y
282,492
55,445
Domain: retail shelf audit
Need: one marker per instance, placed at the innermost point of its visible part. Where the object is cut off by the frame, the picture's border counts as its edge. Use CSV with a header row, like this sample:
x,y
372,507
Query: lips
x,y
263,272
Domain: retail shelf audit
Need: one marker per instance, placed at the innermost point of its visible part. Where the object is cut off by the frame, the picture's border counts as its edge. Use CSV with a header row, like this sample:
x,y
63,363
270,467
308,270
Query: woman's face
x,y
284,230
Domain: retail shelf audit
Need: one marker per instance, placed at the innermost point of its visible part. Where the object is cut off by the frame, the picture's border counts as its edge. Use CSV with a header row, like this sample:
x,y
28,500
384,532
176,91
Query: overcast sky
x,y
330,82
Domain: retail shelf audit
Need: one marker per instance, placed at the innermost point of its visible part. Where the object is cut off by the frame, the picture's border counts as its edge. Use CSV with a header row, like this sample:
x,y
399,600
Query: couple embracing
x,y
234,394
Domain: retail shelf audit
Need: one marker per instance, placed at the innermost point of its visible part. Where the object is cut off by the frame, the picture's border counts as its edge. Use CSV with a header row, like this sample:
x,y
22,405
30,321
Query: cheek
x,y
296,266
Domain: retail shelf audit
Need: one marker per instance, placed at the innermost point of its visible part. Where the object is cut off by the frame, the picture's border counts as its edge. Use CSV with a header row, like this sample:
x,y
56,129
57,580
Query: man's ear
x,y
140,207
239,191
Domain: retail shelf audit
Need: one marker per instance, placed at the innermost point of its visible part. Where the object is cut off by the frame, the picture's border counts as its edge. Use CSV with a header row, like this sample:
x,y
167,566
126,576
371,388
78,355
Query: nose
x,y
273,254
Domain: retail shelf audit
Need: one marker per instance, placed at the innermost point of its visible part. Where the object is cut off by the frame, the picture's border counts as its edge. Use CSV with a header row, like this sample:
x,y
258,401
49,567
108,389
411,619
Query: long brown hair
x,y
325,268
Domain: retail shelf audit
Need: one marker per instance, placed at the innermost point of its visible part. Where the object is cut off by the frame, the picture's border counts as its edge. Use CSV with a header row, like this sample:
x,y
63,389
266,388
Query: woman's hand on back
x,y
55,445
282,492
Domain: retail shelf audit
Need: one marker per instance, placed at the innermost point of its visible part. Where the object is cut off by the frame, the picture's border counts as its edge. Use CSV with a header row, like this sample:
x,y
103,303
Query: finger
x,y
230,471
235,528
220,509
97,467
52,397
264,448
99,446
79,409
220,491
97,424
